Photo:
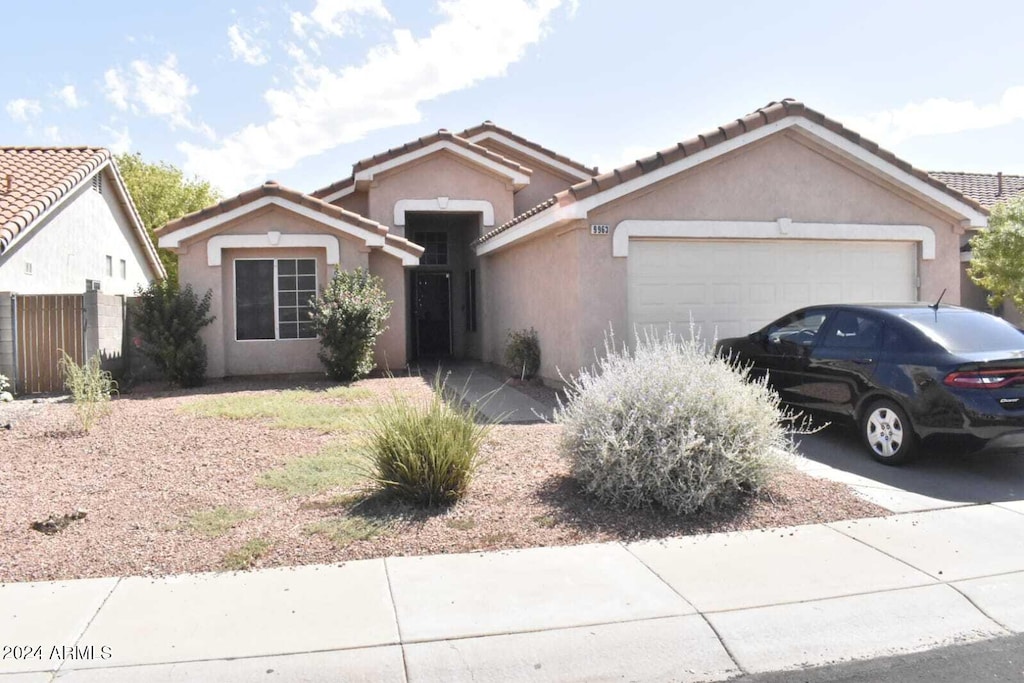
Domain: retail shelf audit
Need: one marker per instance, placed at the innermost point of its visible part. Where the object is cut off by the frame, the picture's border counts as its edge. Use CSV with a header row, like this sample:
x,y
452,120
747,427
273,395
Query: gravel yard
x,y
167,490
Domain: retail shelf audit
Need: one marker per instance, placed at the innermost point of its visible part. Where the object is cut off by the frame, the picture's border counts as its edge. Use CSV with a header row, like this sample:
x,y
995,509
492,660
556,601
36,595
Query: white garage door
x,y
732,288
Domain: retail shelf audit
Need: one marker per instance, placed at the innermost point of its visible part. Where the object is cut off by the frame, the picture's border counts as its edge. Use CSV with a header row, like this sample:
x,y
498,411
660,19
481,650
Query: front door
x,y
432,297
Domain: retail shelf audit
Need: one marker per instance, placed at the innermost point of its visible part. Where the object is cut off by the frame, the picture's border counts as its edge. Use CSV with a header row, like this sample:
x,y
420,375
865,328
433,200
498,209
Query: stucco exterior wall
x,y
778,177
225,355
544,182
439,175
71,247
390,352
357,202
536,284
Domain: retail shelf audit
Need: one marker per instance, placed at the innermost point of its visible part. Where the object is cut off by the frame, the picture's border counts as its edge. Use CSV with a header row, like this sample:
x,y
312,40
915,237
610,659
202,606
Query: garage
x,y
733,287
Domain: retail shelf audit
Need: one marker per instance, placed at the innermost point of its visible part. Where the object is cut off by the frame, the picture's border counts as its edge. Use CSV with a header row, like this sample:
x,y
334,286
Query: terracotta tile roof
x,y
419,143
489,126
32,179
770,113
987,188
426,141
272,189
332,188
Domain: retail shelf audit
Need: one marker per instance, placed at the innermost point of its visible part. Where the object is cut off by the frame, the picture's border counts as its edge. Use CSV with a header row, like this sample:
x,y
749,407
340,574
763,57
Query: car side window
x,y
800,328
852,330
896,339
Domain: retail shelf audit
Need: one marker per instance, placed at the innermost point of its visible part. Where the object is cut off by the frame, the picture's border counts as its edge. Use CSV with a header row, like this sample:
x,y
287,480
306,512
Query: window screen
x,y
254,299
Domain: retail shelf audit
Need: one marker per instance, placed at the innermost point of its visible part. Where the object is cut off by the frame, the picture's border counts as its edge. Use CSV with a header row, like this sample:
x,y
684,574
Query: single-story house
x,y
67,224
481,232
988,189
72,247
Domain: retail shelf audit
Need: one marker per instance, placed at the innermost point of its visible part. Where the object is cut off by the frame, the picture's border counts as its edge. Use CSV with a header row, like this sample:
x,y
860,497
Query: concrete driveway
x,y
939,478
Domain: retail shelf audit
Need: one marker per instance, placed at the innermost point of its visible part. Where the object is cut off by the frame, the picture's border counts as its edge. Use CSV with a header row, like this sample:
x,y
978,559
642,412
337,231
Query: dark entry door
x,y
433,310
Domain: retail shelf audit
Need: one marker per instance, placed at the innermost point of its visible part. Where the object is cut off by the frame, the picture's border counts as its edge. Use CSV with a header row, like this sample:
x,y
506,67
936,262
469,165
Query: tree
x,y
162,193
997,254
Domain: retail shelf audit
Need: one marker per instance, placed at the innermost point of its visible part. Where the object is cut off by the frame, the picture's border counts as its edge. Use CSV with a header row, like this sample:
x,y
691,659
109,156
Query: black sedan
x,y
902,372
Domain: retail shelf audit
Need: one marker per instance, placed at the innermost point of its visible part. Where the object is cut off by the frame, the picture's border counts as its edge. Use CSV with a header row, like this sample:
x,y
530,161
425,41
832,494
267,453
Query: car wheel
x,y
888,434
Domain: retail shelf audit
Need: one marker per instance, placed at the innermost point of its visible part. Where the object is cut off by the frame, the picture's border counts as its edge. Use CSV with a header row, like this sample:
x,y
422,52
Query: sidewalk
x,y
695,608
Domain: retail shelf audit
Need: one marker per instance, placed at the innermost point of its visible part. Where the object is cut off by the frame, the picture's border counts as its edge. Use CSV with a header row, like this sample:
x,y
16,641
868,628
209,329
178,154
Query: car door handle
x,y
862,361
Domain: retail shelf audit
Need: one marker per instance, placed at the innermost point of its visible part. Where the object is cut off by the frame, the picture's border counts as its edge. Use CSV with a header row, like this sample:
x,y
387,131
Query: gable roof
x,y
364,169
36,180
270,192
772,113
488,130
987,188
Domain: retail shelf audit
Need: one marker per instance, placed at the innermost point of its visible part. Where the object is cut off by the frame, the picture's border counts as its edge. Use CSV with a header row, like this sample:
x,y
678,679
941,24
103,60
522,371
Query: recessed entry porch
x,y
444,321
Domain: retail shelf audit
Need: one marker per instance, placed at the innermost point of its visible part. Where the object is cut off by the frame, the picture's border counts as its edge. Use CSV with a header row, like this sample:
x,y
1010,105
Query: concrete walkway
x,y
696,608
497,401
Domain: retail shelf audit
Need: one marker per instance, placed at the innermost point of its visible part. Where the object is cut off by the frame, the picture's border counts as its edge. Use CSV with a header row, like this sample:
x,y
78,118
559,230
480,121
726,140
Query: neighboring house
x,y
988,189
66,220
67,227
482,232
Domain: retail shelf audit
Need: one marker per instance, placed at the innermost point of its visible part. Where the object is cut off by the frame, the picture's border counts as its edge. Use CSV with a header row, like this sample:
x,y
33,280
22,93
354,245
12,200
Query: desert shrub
x,y
669,424
425,452
522,353
5,384
348,317
91,387
168,320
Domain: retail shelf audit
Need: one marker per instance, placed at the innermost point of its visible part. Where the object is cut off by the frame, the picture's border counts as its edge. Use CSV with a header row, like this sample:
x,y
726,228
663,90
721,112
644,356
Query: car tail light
x,y
984,379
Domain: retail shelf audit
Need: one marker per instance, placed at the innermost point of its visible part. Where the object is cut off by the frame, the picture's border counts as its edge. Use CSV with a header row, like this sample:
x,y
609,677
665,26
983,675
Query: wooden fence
x,y
45,326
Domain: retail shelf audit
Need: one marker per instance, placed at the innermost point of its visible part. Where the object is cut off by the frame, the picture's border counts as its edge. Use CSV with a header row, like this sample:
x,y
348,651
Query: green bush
x,y
90,386
522,353
425,452
348,317
169,321
671,425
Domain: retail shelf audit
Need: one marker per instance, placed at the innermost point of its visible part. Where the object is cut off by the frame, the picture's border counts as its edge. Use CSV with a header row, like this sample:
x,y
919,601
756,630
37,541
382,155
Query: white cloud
x,y
120,140
22,109
938,116
52,134
155,89
117,89
475,40
244,47
338,17
69,96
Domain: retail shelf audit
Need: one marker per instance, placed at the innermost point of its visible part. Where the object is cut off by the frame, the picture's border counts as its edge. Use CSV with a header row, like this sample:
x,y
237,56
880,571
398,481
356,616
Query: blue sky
x,y
298,91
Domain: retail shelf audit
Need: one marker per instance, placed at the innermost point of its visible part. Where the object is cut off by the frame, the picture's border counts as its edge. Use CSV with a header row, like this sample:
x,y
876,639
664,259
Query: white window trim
x,y
234,296
272,240
444,204
781,229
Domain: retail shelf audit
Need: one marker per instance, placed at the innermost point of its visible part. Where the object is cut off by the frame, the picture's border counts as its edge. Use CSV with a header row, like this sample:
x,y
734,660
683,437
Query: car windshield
x,y
963,331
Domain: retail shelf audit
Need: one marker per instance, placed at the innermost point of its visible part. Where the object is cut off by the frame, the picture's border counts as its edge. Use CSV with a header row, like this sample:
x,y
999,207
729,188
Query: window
x,y
272,298
124,269
435,248
853,331
799,328
110,266
471,300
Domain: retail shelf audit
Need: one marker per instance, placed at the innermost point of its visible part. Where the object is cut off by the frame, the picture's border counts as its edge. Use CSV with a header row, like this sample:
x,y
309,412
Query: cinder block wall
x,y
104,331
7,366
